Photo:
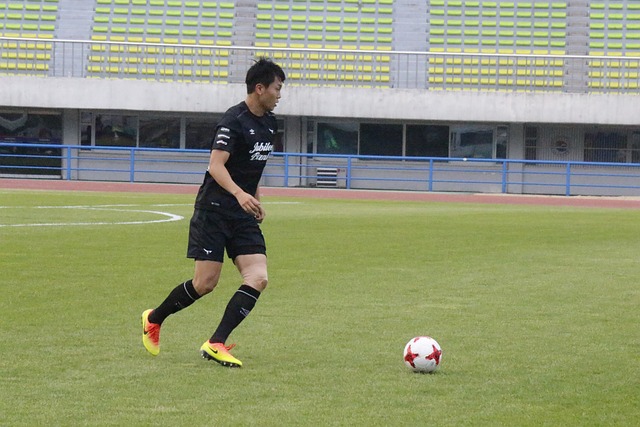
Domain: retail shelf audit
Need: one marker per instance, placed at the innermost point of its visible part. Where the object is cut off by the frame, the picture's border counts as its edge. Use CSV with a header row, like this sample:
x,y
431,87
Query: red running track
x,y
127,187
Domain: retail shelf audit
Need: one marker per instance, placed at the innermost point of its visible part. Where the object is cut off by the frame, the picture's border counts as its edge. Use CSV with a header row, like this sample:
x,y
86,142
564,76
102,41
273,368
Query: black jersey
x,y
249,141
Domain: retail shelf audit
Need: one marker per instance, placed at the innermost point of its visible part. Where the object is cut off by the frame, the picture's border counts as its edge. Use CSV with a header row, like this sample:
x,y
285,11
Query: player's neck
x,y
254,106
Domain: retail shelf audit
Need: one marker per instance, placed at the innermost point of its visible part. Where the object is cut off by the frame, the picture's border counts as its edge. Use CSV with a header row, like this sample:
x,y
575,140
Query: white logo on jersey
x,y
252,132
261,151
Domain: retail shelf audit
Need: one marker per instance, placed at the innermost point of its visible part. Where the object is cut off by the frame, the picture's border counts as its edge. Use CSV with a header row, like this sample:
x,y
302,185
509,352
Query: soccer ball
x,y
422,354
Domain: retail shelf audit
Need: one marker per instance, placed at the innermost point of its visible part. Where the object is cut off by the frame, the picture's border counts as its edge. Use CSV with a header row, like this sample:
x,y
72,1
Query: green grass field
x,y
536,309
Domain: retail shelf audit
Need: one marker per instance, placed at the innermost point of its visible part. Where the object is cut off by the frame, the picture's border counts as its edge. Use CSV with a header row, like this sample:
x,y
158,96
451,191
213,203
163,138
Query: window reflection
x,y
472,141
200,133
427,141
115,130
337,138
160,132
380,139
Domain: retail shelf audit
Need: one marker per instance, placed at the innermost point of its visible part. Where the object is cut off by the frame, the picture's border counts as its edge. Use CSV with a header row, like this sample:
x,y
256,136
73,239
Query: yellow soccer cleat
x,y
150,334
220,353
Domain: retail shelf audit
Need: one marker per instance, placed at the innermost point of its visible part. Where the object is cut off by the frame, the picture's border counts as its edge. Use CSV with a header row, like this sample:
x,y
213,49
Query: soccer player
x,y
227,214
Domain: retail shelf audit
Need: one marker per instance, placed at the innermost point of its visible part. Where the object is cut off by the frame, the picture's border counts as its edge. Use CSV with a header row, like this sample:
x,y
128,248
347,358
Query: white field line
x,y
168,217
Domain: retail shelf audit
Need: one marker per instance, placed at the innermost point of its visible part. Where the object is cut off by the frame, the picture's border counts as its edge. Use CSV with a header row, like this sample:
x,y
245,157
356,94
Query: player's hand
x,y
250,204
261,215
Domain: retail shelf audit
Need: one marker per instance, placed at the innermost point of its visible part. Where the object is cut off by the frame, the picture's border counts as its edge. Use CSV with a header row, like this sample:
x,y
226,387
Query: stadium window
x,y
31,128
337,138
530,143
279,139
502,141
199,133
606,147
86,128
473,141
380,139
635,147
427,141
28,127
159,132
116,130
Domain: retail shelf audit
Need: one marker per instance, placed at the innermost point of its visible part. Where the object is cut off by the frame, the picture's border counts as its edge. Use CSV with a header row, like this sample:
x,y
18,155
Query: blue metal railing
x,y
71,162
462,174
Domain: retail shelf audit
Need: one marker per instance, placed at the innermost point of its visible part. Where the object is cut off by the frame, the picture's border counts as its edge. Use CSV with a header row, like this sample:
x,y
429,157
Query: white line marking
x,y
169,217
282,203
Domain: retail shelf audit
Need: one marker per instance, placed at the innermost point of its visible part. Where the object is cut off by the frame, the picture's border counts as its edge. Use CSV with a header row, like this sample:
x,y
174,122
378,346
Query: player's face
x,y
270,95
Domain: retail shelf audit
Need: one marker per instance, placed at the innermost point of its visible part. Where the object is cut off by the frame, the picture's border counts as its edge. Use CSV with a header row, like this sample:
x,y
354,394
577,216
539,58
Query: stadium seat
x,y
613,31
352,24
498,27
27,19
180,22
367,26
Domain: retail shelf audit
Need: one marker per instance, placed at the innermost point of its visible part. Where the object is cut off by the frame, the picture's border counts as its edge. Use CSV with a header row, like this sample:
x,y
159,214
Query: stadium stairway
x,y
74,19
411,13
244,24
577,44
74,23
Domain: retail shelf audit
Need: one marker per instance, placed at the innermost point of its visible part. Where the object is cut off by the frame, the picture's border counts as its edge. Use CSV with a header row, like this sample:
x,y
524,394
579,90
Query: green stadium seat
x,y
497,27
172,22
613,31
452,25
318,25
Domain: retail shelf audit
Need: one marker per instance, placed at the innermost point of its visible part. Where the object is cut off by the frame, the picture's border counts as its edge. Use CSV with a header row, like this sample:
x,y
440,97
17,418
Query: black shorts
x,y
211,232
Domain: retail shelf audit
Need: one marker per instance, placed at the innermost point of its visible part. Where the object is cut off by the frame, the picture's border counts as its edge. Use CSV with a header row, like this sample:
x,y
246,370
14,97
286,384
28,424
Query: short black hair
x,y
264,71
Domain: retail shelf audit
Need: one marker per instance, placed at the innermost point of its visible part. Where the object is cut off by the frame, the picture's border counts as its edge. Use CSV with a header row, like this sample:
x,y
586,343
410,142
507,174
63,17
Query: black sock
x,y
182,296
239,307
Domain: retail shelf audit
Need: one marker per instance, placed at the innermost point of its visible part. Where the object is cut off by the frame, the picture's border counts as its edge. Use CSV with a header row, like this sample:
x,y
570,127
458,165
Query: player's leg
x,y
205,278
208,266
246,247
180,297
253,269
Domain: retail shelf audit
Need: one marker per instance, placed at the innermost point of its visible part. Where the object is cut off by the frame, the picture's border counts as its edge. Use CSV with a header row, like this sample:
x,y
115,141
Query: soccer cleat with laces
x,y
150,334
220,353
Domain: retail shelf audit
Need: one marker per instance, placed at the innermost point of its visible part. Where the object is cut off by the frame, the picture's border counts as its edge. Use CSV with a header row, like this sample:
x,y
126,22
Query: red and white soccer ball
x,y
423,354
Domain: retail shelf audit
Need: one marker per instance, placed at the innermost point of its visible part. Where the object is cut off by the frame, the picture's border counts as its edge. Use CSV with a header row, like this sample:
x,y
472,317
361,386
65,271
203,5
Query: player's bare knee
x,y
258,282
204,285
254,271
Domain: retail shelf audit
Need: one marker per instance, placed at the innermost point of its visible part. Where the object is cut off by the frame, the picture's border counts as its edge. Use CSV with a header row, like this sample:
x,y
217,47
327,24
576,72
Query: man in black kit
x,y
227,214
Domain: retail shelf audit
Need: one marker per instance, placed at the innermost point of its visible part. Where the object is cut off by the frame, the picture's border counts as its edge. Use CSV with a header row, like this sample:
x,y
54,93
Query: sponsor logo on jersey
x,y
261,151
